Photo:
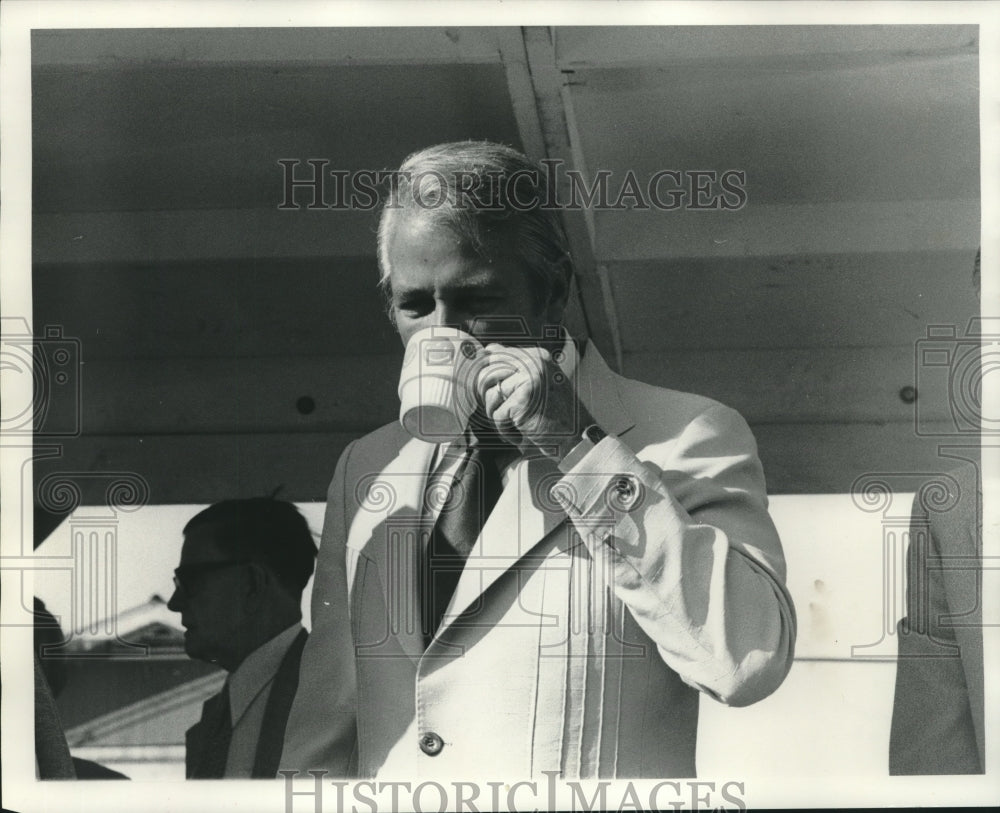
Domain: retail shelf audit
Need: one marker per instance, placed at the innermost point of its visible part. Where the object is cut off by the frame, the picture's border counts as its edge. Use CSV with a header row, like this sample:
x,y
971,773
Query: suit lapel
x,y
389,529
525,515
279,703
517,524
599,390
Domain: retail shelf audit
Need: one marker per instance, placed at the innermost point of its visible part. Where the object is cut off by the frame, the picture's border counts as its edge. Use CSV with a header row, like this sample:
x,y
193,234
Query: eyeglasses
x,y
185,574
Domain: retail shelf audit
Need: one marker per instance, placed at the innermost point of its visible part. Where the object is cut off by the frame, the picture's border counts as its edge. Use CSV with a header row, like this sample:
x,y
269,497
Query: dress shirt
x,y
249,689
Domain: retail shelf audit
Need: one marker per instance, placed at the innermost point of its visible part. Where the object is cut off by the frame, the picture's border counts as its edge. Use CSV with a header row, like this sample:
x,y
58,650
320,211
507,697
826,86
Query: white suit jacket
x,y
594,606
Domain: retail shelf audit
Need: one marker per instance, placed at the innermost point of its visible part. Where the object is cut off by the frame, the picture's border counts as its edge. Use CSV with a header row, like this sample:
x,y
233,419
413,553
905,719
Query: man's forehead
x,y
427,231
468,278
425,258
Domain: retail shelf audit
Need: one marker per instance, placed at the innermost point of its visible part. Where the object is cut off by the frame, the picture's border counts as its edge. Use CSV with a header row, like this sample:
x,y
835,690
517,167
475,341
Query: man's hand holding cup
x,y
518,391
529,400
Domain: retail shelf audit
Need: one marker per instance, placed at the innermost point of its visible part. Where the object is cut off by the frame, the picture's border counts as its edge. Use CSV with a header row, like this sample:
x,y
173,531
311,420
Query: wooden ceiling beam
x,y
554,115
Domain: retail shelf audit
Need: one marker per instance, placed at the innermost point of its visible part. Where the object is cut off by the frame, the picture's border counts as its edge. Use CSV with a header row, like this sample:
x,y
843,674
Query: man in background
x,y
238,588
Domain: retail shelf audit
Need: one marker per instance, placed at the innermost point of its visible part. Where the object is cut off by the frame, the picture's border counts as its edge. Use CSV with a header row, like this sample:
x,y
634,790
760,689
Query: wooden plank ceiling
x,y
230,347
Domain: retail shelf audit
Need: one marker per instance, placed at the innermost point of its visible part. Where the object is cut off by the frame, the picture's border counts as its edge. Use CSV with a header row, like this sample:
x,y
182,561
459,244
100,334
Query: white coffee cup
x,y
436,385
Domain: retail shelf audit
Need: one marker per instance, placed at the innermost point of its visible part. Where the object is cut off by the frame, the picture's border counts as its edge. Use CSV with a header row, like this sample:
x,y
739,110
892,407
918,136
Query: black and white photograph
x,y
499,406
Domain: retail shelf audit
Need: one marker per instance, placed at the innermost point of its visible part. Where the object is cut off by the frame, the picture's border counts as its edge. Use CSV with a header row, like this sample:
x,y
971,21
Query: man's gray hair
x,y
491,196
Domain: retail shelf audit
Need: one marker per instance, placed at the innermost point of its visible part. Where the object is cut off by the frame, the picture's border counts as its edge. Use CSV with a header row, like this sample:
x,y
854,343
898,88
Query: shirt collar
x,y
257,670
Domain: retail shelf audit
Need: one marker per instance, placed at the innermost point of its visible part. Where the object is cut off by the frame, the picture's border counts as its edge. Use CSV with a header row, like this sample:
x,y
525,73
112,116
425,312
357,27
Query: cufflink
x,y
431,743
625,492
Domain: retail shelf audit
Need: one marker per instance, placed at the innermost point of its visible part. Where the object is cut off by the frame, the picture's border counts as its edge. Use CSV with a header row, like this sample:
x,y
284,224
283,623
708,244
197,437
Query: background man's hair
x,y
506,208
270,532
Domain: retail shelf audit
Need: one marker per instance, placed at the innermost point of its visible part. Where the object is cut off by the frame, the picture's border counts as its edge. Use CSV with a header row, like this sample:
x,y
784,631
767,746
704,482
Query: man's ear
x,y
385,290
257,583
558,298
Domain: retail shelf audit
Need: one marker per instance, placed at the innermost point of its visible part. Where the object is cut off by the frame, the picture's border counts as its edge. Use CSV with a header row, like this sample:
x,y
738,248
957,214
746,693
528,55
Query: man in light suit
x,y
238,589
937,713
625,563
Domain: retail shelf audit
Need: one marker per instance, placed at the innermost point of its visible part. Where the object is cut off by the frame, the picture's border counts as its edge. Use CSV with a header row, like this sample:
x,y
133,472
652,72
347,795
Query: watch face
x,y
594,433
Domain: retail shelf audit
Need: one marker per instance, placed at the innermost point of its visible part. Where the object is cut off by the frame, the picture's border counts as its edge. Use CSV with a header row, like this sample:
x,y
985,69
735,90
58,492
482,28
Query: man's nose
x,y
446,315
175,602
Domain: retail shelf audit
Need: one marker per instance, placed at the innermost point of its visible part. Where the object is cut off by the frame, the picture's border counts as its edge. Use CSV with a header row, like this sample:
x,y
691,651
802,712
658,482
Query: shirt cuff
x,y
600,479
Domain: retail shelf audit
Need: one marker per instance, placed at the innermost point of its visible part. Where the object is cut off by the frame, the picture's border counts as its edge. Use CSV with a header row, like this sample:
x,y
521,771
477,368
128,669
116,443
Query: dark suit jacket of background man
x,y
937,720
272,729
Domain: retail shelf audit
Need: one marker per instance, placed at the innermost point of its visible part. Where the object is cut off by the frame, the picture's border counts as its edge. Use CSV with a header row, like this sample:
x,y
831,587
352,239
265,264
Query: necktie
x,y
215,732
474,493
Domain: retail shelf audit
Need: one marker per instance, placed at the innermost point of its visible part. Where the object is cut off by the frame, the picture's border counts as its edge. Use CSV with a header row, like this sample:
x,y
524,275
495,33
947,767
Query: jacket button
x,y
431,744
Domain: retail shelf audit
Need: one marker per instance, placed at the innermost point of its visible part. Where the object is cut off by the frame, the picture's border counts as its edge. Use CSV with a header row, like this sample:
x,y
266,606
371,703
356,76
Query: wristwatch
x,y
593,433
